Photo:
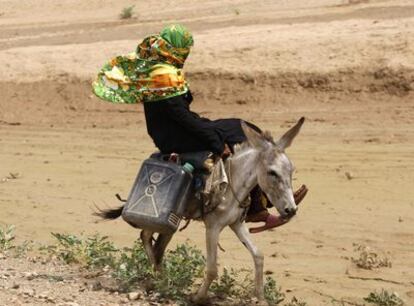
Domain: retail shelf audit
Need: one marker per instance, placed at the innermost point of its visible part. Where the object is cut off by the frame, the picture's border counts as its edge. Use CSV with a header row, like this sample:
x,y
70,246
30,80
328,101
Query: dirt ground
x,y
347,66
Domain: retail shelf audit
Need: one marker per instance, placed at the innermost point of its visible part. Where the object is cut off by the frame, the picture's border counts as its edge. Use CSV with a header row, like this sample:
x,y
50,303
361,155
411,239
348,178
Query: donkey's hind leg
x,y
243,234
146,238
159,249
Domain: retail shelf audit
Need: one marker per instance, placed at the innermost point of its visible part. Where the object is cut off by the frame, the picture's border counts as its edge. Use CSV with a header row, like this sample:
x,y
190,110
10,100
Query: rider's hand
x,y
226,151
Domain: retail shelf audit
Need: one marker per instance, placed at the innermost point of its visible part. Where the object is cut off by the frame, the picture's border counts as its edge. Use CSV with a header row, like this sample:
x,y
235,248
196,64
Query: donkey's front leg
x,y
212,237
243,234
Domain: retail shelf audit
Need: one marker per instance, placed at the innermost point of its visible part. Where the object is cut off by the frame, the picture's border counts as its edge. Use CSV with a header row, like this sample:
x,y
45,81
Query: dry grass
x,y
369,259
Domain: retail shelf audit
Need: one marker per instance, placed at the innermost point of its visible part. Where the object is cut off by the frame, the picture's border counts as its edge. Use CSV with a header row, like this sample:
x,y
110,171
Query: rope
x,y
232,189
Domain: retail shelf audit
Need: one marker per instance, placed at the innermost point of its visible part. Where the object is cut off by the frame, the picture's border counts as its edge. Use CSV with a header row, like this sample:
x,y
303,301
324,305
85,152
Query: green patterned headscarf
x,y
151,73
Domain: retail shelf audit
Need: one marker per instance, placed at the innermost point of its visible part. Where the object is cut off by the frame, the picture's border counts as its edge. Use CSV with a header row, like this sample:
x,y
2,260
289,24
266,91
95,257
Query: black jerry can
x,y
158,198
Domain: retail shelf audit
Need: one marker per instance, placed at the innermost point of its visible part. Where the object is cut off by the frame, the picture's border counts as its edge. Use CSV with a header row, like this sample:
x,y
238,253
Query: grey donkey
x,y
261,160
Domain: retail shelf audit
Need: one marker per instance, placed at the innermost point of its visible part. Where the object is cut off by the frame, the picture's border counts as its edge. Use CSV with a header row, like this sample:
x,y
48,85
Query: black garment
x,y
174,128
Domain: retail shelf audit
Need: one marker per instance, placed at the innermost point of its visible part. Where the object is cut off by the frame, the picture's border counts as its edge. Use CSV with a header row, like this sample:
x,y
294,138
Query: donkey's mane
x,y
240,147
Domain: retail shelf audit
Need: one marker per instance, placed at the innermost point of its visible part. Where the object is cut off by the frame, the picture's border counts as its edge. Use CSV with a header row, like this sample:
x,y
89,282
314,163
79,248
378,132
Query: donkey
x,y
260,160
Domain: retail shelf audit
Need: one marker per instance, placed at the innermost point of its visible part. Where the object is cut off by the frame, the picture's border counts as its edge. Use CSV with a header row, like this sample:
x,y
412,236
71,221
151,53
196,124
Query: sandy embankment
x,y
348,69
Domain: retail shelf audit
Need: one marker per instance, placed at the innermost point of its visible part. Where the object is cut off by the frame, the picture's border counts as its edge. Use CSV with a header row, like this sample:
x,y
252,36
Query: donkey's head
x,y
274,169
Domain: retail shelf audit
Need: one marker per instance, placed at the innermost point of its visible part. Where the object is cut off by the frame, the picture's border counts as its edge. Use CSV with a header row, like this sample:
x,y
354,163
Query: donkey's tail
x,y
109,214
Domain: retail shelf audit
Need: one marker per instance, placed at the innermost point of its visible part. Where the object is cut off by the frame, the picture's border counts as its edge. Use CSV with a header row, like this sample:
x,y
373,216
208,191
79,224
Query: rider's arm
x,y
178,110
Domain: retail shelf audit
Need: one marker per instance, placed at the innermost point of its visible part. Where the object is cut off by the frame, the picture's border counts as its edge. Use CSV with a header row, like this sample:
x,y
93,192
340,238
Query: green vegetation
x,y
273,294
233,283
384,298
239,286
93,252
6,238
127,12
132,267
182,269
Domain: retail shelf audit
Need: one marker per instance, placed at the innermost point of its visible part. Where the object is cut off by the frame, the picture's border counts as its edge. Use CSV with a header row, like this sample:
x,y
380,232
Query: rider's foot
x,y
272,221
300,194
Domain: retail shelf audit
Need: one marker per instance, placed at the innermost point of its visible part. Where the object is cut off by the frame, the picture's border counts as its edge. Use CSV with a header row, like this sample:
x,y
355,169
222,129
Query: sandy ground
x,y
347,66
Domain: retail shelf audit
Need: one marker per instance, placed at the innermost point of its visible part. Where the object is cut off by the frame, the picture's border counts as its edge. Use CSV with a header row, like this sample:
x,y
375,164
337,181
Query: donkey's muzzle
x,y
290,212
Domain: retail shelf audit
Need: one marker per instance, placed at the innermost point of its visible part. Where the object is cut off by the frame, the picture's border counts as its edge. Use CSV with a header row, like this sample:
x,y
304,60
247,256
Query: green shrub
x,y
22,249
234,284
384,298
180,269
132,266
99,252
239,286
6,238
93,252
273,294
127,12
69,248
226,284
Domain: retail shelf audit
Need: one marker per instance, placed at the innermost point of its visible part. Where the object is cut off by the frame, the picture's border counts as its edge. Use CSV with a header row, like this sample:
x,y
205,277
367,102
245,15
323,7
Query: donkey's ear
x,y
286,140
254,138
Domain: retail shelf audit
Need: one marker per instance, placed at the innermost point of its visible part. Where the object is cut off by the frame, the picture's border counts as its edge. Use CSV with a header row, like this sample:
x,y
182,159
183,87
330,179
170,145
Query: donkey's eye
x,y
273,173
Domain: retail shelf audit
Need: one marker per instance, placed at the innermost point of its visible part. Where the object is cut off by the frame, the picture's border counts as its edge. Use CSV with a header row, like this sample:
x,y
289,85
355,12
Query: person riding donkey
x,y
153,75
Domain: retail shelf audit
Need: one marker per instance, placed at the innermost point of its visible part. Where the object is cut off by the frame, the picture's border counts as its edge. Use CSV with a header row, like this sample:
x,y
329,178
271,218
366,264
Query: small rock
x,y
43,295
15,301
28,292
15,286
124,300
96,286
106,268
71,304
51,300
30,275
13,175
349,175
132,296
